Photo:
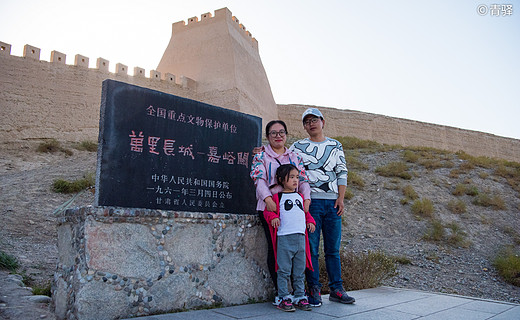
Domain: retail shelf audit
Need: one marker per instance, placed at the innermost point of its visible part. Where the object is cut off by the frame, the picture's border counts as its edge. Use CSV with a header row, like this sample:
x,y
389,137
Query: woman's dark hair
x,y
283,172
271,123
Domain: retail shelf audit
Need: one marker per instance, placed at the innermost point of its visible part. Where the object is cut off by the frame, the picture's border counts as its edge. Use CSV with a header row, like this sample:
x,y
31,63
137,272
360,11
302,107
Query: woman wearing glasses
x,y
263,172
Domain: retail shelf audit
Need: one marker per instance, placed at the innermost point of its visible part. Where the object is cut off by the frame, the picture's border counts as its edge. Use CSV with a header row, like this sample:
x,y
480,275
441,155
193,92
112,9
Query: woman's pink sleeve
x,y
305,189
262,190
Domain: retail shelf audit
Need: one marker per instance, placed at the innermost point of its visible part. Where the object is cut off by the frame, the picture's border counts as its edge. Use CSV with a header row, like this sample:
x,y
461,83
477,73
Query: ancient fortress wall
x,y
40,99
220,54
213,60
405,132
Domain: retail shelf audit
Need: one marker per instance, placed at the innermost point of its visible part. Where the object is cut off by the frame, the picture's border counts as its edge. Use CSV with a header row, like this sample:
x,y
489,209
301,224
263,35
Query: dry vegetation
x,y
467,195
410,213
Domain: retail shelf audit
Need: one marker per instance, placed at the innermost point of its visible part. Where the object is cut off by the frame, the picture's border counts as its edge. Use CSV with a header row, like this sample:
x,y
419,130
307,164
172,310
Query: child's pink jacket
x,y
269,215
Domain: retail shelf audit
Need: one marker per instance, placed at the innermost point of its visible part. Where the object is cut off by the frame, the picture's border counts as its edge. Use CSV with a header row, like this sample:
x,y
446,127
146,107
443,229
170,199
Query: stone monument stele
x,y
173,226
160,151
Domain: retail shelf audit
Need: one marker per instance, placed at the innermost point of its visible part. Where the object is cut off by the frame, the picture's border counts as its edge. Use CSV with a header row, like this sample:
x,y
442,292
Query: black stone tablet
x,y
160,151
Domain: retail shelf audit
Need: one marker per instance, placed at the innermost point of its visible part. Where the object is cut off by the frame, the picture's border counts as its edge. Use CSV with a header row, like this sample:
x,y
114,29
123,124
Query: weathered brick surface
x,y
384,129
41,99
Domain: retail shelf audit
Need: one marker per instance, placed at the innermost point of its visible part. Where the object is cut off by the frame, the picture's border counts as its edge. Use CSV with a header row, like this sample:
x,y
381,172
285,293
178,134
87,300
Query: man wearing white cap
x,y
326,168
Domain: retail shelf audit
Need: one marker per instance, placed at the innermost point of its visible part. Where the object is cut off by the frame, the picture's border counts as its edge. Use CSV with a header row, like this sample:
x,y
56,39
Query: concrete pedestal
x,y
119,262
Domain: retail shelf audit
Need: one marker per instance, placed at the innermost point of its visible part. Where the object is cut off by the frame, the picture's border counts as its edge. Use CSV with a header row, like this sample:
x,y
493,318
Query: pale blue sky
x,y
433,61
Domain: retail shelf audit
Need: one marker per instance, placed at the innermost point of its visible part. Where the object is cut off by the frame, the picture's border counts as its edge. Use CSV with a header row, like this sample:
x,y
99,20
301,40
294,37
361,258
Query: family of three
x,y
300,194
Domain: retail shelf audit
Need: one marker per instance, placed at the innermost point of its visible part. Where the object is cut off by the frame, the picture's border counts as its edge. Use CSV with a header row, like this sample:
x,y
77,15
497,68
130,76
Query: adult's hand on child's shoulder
x,y
257,150
275,222
270,204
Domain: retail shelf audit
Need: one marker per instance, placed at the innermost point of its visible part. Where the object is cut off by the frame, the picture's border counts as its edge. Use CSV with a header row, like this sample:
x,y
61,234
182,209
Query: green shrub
x,y
52,146
8,262
423,207
42,290
511,172
507,263
64,186
360,270
410,156
350,143
454,174
402,260
445,164
459,190
507,169
49,146
431,153
484,162
395,169
355,179
431,164
485,200
457,236
462,189
466,167
513,234
435,232
429,158
366,270
463,168
90,146
472,191
349,194
351,157
457,206
409,192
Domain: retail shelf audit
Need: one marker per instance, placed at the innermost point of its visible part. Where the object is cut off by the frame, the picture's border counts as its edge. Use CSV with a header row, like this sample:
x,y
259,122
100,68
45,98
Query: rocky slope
x,y
460,262
376,218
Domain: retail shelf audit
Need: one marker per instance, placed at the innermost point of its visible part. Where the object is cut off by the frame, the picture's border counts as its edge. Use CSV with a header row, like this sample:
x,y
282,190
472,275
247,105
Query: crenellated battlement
x,y
220,15
54,99
102,65
5,48
41,99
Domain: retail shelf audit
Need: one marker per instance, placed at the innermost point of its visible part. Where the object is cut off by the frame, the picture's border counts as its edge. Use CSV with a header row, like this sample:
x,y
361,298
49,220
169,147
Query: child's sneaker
x,y
303,304
314,296
286,305
341,296
277,301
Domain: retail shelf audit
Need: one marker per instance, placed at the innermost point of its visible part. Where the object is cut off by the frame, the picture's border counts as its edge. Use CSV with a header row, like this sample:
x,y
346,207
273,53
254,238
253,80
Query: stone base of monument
x,y
120,262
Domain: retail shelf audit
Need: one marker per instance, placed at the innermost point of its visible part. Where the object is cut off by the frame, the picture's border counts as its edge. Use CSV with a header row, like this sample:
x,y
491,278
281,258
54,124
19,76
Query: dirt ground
x,y
28,225
375,220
